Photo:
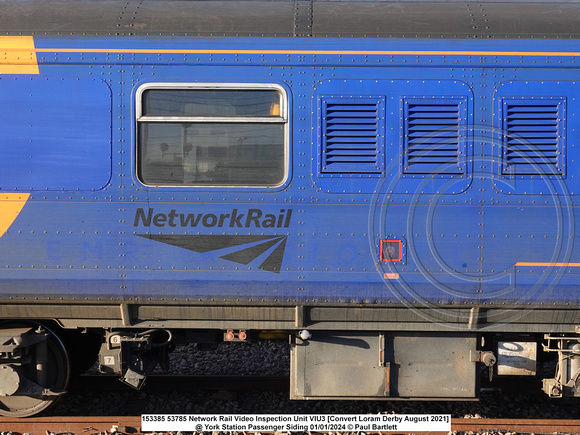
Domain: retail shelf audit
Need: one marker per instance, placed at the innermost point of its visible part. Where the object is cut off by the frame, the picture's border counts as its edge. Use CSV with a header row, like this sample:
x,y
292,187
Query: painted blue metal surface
x,y
476,234
56,133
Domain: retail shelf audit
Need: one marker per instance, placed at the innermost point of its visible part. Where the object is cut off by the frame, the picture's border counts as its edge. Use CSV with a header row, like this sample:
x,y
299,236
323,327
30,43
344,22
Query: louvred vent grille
x,y
352,135
434,136
533,136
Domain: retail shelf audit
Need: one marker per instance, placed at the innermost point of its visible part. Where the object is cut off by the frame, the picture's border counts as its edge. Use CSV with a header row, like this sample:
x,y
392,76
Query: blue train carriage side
x,y
389,185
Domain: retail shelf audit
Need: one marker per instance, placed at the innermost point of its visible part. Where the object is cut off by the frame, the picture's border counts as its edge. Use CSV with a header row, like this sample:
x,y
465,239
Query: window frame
x,y
281,119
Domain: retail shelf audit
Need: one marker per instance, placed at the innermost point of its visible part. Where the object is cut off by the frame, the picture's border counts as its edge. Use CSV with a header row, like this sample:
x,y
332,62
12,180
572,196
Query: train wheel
x,y
34,375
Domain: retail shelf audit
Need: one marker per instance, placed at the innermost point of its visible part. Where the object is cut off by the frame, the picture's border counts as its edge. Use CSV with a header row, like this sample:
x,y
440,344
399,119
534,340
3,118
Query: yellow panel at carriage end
x,y
10,206
17,55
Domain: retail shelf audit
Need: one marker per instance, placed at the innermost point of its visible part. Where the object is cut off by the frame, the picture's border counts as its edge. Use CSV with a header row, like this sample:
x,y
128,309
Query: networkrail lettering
x,y
253,217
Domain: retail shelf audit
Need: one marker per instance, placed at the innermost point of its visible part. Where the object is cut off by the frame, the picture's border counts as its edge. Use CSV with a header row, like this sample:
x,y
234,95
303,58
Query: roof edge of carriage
x,y
443,19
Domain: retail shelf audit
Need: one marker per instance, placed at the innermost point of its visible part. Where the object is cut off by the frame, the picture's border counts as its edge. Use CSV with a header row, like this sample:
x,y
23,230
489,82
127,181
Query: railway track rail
x,y
132,425
524,426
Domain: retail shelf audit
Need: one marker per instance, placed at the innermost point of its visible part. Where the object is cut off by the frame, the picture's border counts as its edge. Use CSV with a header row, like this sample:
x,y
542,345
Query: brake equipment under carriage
x,y
134,355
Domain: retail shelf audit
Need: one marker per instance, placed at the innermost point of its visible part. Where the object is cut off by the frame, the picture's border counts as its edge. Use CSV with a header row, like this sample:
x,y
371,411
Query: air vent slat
x,y
526,108
347,134
355,121
350,160
531,120
543,130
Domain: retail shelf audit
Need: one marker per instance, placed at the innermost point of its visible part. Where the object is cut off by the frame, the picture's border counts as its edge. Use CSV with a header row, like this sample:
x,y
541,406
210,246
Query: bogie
x,y
35,368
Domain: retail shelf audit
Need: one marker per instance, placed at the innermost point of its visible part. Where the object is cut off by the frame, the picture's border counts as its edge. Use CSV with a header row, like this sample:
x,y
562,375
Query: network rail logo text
x,y
254,217
266,250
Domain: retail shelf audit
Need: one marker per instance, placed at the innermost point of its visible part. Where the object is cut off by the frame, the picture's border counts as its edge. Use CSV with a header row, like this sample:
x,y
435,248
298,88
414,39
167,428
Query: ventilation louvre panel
x,y
434,135
533,136
352,136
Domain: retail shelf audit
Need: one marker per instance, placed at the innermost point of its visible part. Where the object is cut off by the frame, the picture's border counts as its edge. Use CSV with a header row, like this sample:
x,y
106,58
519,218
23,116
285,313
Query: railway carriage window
x,y
202,135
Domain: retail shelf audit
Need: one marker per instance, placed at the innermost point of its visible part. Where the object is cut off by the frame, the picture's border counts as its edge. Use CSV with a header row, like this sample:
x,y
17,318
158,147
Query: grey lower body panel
x,y
293,316
333,365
